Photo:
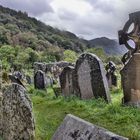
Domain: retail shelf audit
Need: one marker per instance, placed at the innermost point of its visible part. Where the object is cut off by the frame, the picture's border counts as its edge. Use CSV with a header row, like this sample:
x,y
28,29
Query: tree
x,y
99,52
70,56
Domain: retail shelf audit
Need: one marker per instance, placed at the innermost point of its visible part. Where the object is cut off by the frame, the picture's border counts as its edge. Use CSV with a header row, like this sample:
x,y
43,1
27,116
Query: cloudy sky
x,y
86,18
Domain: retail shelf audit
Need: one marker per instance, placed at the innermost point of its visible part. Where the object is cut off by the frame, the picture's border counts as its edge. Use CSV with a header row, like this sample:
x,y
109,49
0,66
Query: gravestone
x,y
66,81
39,80
89,78
130,73
15,79
111,77
17,118
74,128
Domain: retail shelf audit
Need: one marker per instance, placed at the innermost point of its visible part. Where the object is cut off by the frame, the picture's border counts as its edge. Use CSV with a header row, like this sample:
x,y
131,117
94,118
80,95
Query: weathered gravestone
x,y
89,78
74,128
39,80
130,74
111,77
17,122
66,81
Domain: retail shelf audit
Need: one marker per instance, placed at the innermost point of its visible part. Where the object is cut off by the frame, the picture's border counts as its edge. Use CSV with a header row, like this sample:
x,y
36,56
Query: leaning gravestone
x,y
74,128
66,81
17,122
89,78
39,80
130,74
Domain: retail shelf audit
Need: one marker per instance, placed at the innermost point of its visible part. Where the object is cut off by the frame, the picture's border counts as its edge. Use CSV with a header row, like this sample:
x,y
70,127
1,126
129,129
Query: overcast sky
x,y
86,18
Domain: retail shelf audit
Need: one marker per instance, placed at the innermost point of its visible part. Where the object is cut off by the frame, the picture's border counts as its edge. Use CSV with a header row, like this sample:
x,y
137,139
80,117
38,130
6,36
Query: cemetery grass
x,y
49,112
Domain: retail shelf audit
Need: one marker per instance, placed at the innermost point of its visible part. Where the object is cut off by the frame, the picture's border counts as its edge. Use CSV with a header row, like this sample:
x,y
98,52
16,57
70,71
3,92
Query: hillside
x,y
17,28
110,46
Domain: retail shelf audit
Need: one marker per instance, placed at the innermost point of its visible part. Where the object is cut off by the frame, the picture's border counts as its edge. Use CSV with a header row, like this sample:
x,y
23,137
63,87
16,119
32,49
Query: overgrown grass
x,y
50,111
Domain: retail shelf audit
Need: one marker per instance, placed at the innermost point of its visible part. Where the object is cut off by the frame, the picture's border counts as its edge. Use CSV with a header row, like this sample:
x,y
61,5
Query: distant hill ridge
x,y
110,46
17,28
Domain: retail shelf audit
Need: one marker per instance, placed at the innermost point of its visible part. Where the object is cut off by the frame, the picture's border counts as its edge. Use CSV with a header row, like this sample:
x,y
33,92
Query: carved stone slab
x,y
90,78
17,122
66,81
130,75
74,128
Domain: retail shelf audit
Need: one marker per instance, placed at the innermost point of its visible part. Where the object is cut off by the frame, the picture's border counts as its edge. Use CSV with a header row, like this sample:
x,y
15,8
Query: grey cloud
x,y
105,19
67,15
35,7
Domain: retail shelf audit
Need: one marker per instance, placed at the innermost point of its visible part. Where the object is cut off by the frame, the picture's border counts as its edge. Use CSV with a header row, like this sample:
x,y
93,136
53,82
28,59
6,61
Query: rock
x,y
66,81
89,78
17,117
74,128
39,80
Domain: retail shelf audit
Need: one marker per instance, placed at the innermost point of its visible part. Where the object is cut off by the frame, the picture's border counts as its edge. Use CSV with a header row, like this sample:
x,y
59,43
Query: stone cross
x,y
130,73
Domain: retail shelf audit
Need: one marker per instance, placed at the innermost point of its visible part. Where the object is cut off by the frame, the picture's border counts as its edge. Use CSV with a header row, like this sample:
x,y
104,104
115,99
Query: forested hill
x,y
17,28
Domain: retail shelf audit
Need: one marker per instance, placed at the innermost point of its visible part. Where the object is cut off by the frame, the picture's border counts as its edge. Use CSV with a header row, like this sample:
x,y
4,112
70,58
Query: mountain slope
x,y
17,28
110,46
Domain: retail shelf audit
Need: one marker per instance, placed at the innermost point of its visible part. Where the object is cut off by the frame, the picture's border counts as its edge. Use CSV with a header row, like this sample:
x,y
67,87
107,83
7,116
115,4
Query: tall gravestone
x,y
39,80
17,122
74,128
89,78
130,73
66,81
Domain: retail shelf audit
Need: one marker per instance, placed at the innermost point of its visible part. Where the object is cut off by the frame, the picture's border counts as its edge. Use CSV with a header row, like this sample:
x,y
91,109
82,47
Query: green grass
x,y
50,111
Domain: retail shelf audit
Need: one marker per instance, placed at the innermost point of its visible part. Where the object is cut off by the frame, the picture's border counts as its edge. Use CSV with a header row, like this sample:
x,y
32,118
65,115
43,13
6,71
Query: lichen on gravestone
x,y
17,116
